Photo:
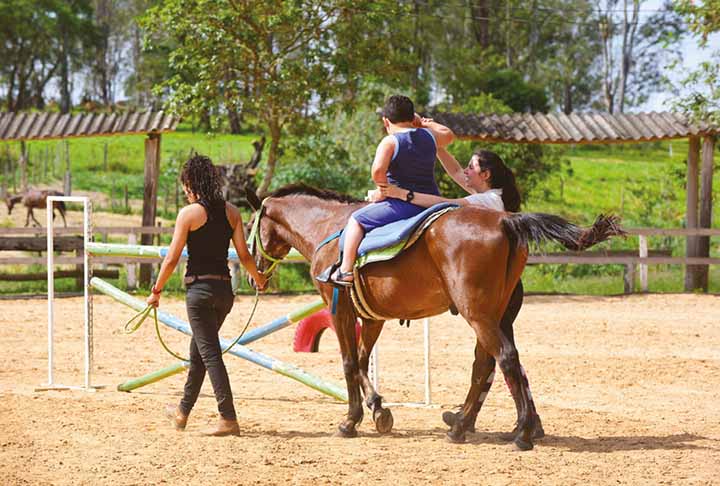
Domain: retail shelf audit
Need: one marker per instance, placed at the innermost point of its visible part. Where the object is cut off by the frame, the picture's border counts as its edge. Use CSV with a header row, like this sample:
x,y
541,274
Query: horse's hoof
x,y
450,418
383,419
539,432
455,438
522,445
346,432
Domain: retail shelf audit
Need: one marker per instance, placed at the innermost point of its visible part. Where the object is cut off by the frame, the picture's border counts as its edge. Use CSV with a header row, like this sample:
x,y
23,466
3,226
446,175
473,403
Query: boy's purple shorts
x,y
385,212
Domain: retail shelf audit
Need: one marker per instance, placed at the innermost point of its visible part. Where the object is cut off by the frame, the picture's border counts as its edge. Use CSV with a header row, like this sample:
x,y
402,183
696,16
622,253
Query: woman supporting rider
x,y
207,224
491,184
406,158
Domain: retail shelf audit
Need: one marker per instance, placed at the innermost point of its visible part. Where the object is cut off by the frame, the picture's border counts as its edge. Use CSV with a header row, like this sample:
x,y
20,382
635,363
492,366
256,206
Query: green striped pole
x,y
286,369
249,337
130,385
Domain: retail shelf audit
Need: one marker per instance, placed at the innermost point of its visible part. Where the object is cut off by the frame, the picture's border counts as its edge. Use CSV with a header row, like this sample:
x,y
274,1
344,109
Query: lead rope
x,y
136,321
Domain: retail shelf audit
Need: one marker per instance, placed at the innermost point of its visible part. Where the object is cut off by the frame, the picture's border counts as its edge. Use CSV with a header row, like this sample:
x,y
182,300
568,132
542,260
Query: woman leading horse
x,y
469,260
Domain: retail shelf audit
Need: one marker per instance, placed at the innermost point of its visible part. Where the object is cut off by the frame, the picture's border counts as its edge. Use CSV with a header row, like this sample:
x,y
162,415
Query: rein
x,y
137,320
254,241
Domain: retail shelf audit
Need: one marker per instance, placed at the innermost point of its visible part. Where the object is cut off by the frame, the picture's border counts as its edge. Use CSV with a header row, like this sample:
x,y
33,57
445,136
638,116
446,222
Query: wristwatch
x,y
410,196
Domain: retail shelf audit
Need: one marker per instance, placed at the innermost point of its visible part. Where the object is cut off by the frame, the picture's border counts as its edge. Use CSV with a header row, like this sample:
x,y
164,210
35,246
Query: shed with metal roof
x,y
24,127
605,128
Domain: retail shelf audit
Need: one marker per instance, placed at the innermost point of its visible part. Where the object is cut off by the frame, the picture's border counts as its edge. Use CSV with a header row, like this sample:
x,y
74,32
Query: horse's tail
x,y
523,228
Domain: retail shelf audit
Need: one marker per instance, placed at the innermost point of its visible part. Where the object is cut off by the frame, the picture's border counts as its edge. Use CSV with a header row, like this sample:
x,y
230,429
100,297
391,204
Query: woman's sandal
x,y
338,278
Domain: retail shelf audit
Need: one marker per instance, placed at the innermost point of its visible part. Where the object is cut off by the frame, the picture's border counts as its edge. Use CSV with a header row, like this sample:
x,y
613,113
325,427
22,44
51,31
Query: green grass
x,y
126,159
644,183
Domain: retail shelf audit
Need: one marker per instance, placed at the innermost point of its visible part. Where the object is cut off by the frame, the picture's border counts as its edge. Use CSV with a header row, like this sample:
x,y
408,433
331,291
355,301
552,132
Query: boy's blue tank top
x,y
413,164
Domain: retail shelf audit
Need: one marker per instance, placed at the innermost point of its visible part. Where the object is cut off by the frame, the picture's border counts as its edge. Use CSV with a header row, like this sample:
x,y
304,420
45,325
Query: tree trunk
x,y
605,24
64,75
234,119
567,98
275,134
480,14
629,29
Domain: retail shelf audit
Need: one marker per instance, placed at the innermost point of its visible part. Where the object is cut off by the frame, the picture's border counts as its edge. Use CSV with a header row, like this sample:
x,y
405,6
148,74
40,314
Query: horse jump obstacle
x,y
88,344
286,369
97,249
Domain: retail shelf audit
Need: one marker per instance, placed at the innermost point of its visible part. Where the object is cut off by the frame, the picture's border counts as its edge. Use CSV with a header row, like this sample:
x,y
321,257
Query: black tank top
x,y
208,245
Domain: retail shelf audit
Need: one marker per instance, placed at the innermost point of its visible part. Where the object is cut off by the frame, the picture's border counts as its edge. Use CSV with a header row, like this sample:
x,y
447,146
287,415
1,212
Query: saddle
x,y
382,244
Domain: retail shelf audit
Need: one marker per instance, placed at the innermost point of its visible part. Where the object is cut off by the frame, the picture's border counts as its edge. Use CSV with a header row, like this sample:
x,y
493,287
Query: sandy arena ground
x,y
627,388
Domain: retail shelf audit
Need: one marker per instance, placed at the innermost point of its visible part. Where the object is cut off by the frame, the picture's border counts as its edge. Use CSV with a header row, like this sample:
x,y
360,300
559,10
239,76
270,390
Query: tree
x,y
273,59
42,40
114,20
568,57
703,101
634,51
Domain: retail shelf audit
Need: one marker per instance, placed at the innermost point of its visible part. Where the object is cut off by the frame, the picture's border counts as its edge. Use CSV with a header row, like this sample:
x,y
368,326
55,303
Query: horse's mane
x,y
325,194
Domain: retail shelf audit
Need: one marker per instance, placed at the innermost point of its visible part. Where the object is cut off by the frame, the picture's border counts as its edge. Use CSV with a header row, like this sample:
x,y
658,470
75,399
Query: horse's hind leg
x,y
368,337
497,344
482,378
506,326
61,210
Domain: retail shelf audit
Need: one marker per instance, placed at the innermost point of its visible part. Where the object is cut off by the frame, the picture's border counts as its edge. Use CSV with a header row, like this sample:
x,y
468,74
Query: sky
x,y
691,55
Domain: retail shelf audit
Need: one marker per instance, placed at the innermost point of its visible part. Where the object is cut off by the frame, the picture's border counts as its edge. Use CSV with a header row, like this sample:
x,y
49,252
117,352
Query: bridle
x,y
254,241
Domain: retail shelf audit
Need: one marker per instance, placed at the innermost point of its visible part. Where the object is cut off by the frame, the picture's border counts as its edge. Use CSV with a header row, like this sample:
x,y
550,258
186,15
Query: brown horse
x,y
470,260
36,199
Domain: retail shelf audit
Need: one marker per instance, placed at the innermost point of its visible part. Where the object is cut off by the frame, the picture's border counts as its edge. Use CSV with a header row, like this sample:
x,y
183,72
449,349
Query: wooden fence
x,y
635,262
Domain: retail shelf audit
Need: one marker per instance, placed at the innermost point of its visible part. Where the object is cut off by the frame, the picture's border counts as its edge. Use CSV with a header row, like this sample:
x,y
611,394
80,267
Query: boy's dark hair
x,y
203,179
398,109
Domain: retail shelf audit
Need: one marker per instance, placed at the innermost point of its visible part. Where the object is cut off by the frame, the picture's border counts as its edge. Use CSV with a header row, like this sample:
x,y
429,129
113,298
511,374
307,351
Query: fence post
x,y
67,182
643,245
46,162
23,167
692,272
132,267
629,278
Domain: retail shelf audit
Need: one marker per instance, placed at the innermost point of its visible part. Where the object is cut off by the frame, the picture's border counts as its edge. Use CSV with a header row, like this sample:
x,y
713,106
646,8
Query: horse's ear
x,y
252,199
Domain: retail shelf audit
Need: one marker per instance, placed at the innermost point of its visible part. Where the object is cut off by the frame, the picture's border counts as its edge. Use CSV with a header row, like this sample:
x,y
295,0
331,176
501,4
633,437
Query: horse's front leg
x,y
32,215
368,337
344,320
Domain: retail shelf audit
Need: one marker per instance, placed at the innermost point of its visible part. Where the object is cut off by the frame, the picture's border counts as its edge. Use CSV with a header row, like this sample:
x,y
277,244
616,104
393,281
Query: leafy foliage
x,y
703,102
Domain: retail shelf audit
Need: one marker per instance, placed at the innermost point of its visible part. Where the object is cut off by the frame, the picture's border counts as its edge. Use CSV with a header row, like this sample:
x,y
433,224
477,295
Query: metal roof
x,y
45,126
594,127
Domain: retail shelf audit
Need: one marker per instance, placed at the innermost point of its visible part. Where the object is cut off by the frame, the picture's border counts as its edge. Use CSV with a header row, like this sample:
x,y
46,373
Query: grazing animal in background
x,y
469,260
36,199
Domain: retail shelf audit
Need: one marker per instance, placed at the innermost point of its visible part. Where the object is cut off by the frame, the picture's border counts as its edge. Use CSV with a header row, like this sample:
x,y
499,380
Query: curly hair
x,y
203,179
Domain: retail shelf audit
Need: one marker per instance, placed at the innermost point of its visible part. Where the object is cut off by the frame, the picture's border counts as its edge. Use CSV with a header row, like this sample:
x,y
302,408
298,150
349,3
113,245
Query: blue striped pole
x,y
289,370
253,335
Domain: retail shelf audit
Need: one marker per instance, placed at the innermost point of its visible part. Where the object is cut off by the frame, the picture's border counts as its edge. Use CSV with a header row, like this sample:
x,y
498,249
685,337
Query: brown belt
x,y
193,278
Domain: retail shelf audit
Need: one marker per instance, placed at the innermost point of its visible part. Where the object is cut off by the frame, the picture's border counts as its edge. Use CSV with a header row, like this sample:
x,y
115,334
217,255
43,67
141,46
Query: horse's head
x,y
265,241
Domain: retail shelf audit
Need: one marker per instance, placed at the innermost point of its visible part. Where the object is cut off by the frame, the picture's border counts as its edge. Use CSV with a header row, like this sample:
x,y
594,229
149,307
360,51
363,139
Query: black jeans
x,y
208,302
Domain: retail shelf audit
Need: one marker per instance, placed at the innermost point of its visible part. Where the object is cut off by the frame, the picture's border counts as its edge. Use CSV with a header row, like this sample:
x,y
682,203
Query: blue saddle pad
x,y
395,233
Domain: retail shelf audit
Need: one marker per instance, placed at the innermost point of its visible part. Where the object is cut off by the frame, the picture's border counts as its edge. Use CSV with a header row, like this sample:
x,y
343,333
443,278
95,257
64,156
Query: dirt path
x,y
627,389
